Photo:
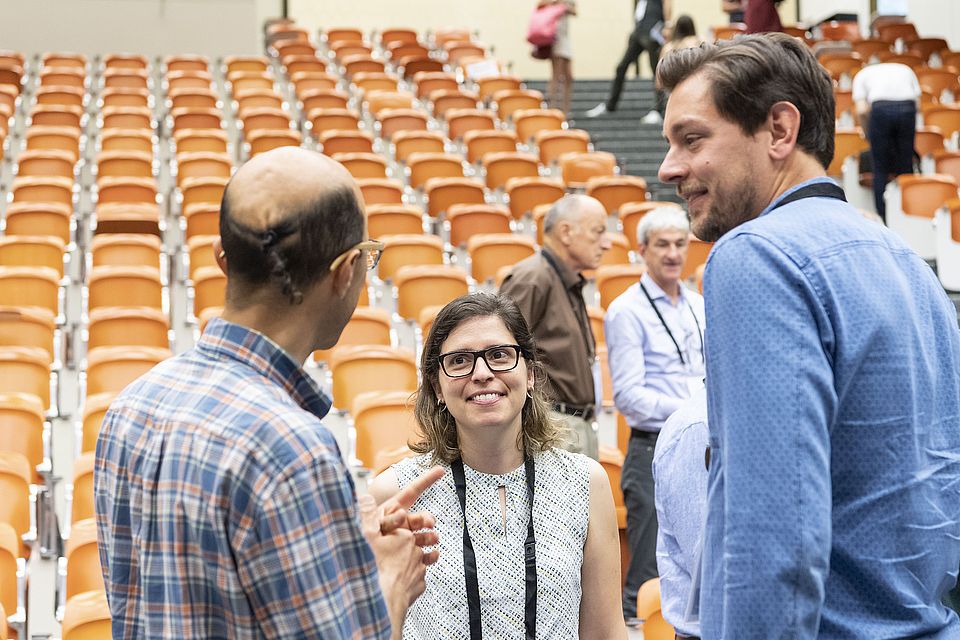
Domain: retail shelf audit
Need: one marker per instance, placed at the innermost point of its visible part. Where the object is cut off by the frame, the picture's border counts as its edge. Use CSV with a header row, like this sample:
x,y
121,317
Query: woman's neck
x,y
491,450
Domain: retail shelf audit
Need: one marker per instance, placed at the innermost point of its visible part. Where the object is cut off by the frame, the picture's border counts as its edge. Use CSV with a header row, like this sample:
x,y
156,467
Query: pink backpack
x,y
542,31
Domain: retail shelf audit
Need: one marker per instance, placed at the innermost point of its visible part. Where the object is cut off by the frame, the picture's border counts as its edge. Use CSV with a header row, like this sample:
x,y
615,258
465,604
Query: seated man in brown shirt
x,y
548,288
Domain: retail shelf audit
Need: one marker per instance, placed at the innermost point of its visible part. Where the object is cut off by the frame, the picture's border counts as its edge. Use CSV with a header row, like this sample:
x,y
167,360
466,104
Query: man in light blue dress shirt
x,y
654,333
833,367
680,477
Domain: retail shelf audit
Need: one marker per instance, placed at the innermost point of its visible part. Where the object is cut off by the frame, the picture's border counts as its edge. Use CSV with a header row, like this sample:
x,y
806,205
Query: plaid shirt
x,y
224,509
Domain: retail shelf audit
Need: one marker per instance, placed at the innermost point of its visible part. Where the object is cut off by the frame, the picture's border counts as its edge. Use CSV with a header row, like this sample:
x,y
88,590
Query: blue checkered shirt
x,y
224,509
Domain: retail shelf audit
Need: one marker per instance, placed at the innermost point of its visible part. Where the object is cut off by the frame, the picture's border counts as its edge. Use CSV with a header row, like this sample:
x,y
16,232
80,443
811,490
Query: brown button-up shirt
x,y
550,296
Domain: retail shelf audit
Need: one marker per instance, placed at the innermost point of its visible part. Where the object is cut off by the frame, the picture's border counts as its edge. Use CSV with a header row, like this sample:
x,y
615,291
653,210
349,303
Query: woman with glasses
x,y
528,533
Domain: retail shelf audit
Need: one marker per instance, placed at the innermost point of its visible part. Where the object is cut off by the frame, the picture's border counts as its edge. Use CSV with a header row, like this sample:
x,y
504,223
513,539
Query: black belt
x,y
643,435
586,412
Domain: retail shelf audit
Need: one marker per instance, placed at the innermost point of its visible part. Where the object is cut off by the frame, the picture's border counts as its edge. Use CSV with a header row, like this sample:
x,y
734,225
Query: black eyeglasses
x,y
459,364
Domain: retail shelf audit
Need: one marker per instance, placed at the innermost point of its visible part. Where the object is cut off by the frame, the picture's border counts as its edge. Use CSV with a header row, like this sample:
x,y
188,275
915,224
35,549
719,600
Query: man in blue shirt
x,y
654,334
833,367
224,508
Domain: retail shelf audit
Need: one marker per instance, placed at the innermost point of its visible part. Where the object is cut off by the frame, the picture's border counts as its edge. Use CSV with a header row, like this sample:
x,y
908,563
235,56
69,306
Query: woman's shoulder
x,y
567,463
409,468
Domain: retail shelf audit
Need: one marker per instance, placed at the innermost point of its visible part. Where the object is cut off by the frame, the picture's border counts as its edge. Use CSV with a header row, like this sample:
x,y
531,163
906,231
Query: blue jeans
x,y
892,128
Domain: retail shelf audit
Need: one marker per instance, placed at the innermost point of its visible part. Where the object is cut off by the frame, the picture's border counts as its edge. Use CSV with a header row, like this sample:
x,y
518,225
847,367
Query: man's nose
x,y
671,169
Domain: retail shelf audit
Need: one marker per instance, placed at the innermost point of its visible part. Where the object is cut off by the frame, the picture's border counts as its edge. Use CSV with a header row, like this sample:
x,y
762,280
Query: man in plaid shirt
x,y
224,508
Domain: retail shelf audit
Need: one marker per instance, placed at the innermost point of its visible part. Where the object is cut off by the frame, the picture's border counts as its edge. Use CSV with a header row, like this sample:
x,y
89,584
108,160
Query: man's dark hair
x,y
749,74
295,253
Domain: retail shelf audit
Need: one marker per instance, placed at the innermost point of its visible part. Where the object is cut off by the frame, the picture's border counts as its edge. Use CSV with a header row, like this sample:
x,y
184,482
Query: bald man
x,y
548,288
224,509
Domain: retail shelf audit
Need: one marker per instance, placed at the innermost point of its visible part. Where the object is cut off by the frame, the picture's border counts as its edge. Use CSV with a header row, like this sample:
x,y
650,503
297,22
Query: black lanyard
x,y
816,190
470,558
667,328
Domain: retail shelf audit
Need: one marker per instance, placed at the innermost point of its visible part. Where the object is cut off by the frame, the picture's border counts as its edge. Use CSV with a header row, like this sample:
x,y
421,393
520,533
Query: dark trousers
x,y
639,42
891,130
952,598
636,480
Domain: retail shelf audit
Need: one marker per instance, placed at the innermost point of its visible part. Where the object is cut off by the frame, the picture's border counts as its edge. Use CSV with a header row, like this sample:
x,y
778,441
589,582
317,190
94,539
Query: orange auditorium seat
x,y
94,409
322,120
490,252
110,369
529,122
445,100
491,84
396,120
381,191
86,616
429,81
360,369
480,142
264,140
186,62
28,327
125,286
408,142
460,121
21,430
54,189
421,286
53,138
847,143
509,101
15,477
615,191
323,99
345,141
126,140
373,80
125,164
81,507
32,251
378,100
500,167
39,219
612,280
649,610
393,219
944,117
126,249
209,288
527,193
425,166
30,287
201,141
82,558
363,165
384,421
403,250
468,220
552,144
120,326
578,168
442,193
122,97
49,115
367,326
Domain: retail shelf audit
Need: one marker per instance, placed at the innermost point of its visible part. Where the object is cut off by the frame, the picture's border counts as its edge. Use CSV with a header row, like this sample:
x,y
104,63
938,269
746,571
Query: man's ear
x,y
219,254
344,274
783,123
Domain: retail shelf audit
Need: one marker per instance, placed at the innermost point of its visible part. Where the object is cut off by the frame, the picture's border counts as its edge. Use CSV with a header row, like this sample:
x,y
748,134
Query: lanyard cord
x,y
667,328
470,558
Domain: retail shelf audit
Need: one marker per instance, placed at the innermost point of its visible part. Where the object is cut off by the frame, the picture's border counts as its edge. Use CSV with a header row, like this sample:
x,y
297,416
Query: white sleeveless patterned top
x,y
560,516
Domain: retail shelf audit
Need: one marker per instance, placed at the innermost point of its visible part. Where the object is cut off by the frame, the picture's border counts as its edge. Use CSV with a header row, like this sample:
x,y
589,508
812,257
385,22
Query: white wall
x,y
211,27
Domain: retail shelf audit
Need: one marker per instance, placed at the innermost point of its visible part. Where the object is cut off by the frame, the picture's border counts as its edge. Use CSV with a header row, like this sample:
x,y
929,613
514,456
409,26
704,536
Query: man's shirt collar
x,y
224,340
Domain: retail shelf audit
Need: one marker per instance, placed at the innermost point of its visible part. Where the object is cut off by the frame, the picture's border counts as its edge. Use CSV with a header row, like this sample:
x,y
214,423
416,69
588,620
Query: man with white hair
x,y
548,288
654,333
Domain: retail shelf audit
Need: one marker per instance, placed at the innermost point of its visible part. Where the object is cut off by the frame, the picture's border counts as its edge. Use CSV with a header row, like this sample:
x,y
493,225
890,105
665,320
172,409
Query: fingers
x,y
405,498
426,538
420,520
431,557
394,521
369,516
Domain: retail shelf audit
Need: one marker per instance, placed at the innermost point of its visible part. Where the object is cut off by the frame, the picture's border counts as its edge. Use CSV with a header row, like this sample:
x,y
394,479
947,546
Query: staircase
x,y
639,147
